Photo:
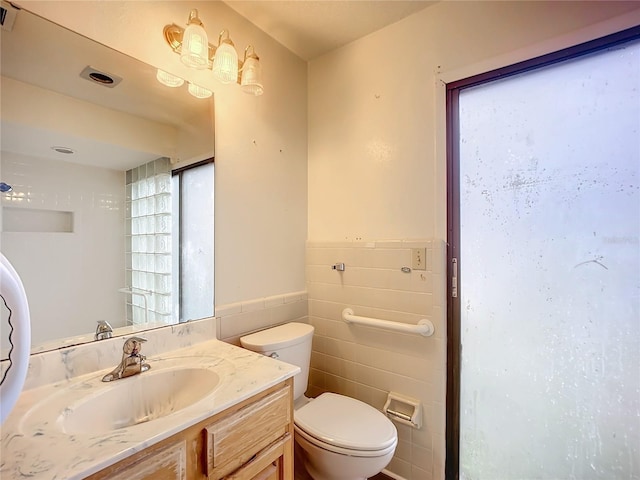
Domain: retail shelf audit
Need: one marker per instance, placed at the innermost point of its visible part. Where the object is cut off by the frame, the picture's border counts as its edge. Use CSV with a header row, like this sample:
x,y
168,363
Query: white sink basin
x,y
89,406
138,399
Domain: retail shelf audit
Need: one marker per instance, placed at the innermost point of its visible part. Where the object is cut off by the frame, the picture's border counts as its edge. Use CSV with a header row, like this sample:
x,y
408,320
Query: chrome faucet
x,y
132,363
103,330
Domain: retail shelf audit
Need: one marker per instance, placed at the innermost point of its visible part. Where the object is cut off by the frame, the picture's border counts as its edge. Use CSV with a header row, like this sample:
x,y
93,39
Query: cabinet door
x,y
169,463
268,464
269,473
235,440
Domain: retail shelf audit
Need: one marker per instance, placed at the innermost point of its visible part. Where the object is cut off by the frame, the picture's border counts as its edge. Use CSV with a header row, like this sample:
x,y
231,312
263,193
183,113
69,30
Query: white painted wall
x,y
376,118
261,142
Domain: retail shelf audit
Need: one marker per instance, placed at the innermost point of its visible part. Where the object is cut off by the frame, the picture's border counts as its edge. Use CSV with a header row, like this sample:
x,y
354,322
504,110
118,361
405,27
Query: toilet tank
x,y
290,343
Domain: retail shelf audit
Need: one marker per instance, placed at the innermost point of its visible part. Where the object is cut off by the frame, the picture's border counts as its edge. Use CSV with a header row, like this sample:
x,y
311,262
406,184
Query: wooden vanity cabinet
x,y
252,440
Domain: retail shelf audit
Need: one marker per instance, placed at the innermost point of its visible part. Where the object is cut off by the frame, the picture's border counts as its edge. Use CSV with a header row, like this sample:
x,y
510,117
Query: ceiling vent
x,y
101,78
7,16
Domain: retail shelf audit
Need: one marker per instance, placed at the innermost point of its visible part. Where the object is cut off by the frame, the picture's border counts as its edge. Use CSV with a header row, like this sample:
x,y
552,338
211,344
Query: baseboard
x,y
390,475
387,475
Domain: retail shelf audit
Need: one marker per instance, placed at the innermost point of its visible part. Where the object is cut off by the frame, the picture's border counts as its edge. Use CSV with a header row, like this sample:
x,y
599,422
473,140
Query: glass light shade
x,y
225,63
195,47
168,79
251,81
198,91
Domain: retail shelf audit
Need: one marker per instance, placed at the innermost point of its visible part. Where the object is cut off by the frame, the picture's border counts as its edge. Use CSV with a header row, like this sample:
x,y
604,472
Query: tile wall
x,y
367,363
238,319
72,276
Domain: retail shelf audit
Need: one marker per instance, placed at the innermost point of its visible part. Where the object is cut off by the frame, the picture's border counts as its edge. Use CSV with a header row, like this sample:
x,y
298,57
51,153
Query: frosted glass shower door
x,y
550,272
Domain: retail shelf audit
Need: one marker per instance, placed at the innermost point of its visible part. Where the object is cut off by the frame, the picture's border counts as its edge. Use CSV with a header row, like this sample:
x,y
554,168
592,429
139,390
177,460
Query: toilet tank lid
x,y
278,337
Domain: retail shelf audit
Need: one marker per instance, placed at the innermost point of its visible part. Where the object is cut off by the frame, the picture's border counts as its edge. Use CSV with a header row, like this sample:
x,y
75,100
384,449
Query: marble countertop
x,y
35,447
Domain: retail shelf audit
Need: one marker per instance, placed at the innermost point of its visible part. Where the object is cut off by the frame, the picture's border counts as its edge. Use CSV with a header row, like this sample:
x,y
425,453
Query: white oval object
x,y
15,299
347,423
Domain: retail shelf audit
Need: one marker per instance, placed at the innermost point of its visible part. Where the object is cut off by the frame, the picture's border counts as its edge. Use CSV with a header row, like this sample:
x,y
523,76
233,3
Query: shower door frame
x,y
455,269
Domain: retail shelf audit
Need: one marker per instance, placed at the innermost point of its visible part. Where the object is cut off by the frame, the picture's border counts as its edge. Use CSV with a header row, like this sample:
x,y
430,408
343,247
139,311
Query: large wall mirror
x,y
91,222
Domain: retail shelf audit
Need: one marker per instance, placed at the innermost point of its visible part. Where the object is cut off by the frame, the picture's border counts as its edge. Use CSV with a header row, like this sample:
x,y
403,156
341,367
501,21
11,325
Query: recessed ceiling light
x,y
65,150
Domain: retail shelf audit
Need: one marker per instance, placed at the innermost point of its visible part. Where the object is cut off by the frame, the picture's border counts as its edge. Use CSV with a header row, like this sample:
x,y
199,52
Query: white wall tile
x,y
421,458
92,255
439,457
239,323
420,474
393,259
403,450
294,297
228,309
400,467
237,319
287,312
422,437
253,305
273,301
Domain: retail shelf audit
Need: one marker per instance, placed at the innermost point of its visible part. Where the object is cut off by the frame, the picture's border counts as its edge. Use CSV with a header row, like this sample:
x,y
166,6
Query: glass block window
x,y
149,266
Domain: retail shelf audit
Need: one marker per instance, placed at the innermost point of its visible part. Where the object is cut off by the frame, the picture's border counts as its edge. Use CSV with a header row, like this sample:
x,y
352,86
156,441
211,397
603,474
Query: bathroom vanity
x,y
228,414
251,440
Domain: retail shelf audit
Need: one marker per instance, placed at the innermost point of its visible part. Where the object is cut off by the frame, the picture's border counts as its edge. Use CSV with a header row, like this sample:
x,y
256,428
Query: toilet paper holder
x,y
403,409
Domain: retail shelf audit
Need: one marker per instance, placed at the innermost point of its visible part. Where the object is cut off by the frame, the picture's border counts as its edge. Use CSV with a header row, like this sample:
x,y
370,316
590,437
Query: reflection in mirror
x,y
88,224
193,220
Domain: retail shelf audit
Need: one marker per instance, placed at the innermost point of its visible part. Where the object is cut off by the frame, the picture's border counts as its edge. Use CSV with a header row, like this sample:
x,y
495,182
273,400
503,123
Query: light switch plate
x,y
419,258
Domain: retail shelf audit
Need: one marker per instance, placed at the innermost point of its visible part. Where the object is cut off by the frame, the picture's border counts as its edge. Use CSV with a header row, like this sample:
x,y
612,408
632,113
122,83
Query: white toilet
x,y
340,438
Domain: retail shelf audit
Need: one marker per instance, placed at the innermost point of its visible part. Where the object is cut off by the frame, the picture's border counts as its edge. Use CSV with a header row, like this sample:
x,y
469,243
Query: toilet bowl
x,y
342,438
337,437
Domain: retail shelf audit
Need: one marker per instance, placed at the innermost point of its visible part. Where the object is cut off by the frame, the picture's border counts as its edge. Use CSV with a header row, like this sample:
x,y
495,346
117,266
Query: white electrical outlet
x,y
419,258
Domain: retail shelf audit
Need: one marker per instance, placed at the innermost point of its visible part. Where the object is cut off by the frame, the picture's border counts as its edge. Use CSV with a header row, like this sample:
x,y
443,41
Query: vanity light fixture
x,y
195,51
225,61
251,81
195,43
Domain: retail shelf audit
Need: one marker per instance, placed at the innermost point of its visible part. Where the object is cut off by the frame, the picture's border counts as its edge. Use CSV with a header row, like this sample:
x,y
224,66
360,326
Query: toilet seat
x,y
345,425
343,451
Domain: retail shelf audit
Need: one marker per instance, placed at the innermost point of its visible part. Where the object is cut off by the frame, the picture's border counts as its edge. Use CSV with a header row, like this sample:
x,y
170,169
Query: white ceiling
x,y
139,94
310,28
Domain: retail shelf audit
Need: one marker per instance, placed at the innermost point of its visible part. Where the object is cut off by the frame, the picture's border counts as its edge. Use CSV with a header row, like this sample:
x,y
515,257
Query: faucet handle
x,y
133,345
